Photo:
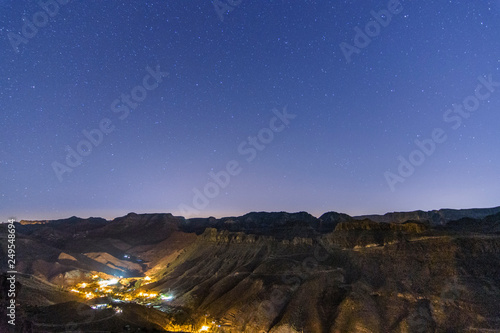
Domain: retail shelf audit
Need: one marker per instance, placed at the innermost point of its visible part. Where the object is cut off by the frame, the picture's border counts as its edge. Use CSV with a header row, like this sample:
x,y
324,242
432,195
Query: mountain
x,y
260,272
434,217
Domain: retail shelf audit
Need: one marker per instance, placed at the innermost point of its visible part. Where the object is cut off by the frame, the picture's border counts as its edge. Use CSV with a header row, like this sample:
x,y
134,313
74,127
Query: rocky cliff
x,y
281,272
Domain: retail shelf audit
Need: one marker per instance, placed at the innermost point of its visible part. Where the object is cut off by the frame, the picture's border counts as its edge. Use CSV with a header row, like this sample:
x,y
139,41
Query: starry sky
x,y
250,106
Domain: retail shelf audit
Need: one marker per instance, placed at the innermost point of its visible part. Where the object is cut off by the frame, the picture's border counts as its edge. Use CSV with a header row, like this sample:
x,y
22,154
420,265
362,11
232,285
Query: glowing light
x,y
204,328
141,294
105,283
83,285
74,290
147,278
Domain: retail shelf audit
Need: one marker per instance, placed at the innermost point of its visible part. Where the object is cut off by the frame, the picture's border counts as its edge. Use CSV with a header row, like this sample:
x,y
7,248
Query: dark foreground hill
x,y
265,272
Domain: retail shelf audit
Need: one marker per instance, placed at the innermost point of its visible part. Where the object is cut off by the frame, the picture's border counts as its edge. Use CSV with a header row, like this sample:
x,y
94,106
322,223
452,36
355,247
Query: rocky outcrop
x,y
328,221
65,256
422,282
366,233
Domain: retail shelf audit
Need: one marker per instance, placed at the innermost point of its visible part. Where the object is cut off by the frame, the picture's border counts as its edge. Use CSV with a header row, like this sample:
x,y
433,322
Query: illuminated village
x,y
109,292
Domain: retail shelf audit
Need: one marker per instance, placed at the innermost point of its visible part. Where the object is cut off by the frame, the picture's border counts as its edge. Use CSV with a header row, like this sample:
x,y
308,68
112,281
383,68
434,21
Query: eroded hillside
x,y
270,272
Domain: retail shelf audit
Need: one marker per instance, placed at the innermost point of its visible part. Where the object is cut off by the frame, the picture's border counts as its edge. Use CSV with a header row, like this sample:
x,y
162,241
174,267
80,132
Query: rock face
x,y
421,281
289,272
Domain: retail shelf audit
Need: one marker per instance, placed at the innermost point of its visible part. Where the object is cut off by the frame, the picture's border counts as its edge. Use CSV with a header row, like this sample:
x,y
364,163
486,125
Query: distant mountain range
x,y
435,217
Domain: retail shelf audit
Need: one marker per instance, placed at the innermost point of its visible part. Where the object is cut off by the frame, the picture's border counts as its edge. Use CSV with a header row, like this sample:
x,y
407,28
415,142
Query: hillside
x,y
263,272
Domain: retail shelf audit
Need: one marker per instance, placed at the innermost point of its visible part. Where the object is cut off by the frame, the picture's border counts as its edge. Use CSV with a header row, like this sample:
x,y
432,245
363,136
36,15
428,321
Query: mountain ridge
x,y
434,217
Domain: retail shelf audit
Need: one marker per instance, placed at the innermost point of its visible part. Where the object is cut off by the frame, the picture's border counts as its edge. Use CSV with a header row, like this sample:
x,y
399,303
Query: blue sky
x,y
354,116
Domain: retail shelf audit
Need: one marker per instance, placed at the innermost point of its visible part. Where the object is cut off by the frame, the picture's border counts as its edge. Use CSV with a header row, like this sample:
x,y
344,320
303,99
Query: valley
x,y
261,272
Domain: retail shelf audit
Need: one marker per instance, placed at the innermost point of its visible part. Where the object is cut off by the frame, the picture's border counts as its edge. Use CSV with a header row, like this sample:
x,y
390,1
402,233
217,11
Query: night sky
x,y
109,107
